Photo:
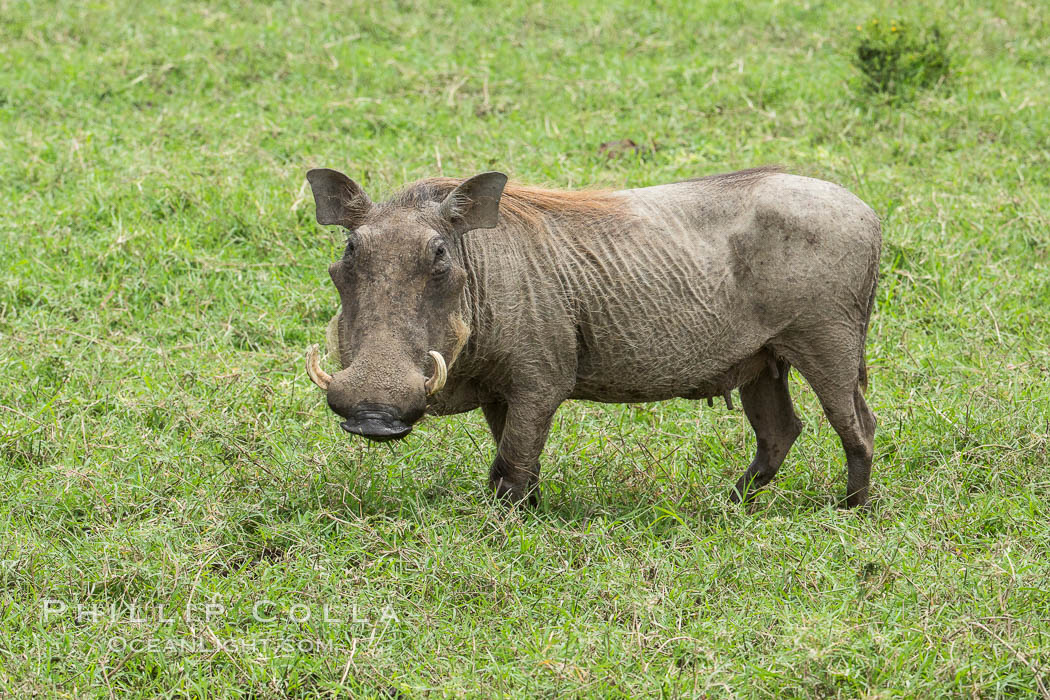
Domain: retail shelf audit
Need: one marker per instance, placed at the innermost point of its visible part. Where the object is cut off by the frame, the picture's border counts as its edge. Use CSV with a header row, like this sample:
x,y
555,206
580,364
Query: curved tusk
x,y
313,368
435,383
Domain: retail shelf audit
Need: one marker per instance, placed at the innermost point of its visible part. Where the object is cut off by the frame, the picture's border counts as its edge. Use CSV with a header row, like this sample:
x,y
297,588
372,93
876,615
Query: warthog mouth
x,y
376,423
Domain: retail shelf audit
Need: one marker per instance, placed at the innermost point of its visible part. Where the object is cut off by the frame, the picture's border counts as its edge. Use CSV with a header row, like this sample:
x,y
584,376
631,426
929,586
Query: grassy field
x,y
180,515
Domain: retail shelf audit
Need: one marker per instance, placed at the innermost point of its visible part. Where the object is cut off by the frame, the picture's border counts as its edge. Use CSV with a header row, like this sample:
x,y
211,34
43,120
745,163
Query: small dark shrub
x,y
896,58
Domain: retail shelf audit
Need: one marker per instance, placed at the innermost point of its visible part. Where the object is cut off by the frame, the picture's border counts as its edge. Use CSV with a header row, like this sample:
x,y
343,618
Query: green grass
x,y
161,274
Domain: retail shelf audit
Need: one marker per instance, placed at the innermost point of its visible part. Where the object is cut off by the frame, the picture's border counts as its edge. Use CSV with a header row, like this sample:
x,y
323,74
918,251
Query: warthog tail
x,y
863,370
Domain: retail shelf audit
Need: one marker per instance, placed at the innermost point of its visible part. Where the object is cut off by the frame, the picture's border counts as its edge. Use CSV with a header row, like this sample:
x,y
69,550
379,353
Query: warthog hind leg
x,y
835,372
767,404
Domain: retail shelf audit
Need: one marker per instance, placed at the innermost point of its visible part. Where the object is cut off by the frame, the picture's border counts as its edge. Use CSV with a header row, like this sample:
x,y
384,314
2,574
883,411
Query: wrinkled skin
x,y
685,290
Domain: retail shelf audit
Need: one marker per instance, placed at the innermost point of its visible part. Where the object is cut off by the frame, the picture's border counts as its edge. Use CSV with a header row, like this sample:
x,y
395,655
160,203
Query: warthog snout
x,y
376,419
377,413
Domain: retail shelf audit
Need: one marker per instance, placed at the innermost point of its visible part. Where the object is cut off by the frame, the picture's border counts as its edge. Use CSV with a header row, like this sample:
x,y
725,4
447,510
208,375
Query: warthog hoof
x,y
525,494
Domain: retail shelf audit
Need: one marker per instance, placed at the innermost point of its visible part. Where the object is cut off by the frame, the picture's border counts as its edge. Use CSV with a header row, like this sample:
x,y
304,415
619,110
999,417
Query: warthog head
x,y
400,282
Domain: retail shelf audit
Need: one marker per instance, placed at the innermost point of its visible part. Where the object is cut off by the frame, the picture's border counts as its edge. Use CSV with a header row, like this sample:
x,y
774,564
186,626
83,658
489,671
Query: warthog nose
x,y
377,422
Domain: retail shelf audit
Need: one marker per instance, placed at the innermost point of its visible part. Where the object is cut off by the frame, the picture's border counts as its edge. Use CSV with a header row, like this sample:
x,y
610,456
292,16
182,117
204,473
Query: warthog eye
x,y
349,252
441,259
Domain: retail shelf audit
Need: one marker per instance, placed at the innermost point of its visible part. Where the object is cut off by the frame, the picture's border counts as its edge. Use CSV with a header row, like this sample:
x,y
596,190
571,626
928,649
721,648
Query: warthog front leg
x,y
520,429
496,416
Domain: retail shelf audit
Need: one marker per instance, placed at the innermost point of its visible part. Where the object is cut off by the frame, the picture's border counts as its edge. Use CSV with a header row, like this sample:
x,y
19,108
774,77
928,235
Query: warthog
x,y
690,290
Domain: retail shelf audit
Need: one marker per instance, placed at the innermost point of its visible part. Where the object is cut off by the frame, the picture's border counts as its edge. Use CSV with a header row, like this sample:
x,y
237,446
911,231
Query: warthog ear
x,y
475,203
339,199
